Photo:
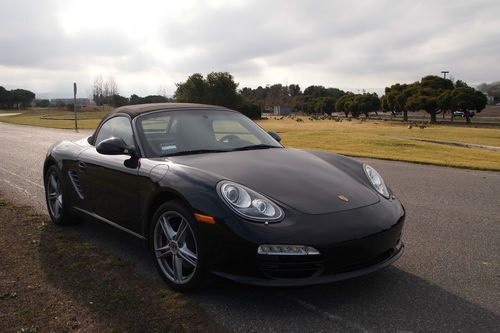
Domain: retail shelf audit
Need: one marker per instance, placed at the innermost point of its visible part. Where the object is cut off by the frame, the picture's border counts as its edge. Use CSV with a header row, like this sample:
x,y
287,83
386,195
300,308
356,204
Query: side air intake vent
x,y
75,180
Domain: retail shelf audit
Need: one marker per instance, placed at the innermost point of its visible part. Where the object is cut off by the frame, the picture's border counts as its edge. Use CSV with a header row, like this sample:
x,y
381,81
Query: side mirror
x,y
274,135
114,146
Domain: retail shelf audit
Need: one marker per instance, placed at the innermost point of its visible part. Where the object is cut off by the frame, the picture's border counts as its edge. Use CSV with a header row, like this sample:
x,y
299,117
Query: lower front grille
x,y
290,266
356,262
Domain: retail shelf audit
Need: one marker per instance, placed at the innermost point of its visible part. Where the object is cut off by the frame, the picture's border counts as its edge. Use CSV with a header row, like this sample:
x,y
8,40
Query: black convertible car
x,y
210,191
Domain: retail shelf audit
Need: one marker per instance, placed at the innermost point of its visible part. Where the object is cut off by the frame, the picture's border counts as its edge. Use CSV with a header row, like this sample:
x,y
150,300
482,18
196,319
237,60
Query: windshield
x,y
171,133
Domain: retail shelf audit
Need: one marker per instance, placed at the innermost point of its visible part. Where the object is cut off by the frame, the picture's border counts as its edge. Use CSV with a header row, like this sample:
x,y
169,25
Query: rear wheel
x,y
54,195
177,247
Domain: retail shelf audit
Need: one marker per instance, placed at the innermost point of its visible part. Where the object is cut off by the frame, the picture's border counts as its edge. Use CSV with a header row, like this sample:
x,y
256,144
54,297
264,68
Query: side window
x,y
119,127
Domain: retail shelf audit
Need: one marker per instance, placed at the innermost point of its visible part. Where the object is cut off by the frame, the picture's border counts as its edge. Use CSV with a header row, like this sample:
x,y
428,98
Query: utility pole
x,y
74,106
444,74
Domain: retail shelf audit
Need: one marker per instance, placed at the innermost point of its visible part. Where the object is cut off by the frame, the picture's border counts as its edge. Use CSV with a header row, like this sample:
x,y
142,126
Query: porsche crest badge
x,y
343,198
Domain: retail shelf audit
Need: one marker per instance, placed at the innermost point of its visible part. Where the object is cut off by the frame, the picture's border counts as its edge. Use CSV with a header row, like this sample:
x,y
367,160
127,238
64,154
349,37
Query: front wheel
x,y
177,247
54,195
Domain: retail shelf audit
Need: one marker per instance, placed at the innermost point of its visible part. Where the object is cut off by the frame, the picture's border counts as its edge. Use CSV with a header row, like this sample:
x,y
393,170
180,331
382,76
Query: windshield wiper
x,y
193,152
252,147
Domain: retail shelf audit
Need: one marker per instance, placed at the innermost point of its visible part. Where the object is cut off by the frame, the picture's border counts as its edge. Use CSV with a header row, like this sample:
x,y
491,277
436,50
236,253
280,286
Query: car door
x,y
112,179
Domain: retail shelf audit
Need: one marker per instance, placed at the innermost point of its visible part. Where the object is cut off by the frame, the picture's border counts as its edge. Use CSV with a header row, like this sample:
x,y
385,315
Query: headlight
x,y
376,180
248,203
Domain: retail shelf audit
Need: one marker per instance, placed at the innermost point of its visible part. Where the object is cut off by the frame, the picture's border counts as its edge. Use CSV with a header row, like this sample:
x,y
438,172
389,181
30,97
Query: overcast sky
x,y
147,46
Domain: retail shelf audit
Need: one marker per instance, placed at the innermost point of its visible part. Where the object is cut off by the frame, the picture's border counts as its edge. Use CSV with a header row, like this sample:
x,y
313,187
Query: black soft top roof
x,y
135,110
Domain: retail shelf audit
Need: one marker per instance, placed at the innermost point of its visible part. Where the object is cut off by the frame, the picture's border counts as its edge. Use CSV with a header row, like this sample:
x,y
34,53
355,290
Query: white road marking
x,y
20,189
21,177
325,314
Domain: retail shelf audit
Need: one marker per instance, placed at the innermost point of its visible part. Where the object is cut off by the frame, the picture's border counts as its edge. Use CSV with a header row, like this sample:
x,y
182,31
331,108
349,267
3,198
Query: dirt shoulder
x,y
53,281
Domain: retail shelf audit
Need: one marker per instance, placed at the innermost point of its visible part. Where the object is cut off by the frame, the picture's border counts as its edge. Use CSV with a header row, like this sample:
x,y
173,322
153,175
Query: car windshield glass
x,y
183,132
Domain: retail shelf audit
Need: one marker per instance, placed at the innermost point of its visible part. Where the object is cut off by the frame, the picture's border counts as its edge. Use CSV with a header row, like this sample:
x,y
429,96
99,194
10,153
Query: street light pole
x,y
74,106
444,74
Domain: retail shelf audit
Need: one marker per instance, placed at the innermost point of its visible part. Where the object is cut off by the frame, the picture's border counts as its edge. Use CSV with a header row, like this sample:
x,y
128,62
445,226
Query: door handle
x,y
82,165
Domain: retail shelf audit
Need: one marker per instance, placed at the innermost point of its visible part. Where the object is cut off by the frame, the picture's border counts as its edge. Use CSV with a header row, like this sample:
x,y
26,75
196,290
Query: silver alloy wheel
x,y
175,247
54,195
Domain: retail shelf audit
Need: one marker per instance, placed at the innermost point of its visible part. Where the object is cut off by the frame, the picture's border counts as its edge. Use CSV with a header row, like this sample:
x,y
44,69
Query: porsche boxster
x,y
209,191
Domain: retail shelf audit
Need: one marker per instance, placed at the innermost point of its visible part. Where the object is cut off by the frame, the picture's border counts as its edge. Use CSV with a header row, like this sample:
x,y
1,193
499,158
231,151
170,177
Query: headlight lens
x,y
376,180
248,203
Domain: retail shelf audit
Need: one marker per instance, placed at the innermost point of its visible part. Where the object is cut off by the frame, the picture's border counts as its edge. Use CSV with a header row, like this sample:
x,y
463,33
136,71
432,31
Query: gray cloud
x,y
355,44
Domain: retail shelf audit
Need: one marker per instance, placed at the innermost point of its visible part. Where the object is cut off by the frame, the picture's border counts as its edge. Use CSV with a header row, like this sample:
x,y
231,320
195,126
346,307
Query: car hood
x,y
294,177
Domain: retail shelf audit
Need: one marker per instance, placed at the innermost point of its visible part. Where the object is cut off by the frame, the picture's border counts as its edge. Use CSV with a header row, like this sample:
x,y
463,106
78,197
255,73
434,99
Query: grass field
x,y
52,280
394,141
58,118
373,138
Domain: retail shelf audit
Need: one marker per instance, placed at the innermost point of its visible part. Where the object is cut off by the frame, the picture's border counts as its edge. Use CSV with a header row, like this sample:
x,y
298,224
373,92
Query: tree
x,y
5,98
98,90
491,89
368,103
426,100
278,94
444,103
318,99
342,104
110,88
324,105
384,104
154,99
356,104
294,90
42,103
194,90
218,88
256,96
335,93
250,109
22,98
103,91
223,90
395,98
423,95
117,100
465,99
316,91
436,82
134,99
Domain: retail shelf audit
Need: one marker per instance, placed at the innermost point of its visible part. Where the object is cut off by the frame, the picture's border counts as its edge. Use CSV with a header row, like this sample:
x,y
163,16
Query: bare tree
x,y
112,87
97,90
103,91
162,91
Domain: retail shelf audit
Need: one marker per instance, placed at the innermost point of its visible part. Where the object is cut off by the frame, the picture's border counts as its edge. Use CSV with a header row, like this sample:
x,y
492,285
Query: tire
x,y
180,261
54,195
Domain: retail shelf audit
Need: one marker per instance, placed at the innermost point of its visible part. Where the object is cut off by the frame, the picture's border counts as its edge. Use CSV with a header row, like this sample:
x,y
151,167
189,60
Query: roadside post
x,y
74,106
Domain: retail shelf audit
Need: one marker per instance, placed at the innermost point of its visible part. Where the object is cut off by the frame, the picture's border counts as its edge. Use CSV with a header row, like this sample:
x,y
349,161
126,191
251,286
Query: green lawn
x,y
58,118
393,141
373,138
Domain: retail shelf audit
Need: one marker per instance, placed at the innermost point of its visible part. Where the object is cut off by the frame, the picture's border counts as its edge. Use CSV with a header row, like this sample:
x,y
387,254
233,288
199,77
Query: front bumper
x,y
336,261
317,278
351,243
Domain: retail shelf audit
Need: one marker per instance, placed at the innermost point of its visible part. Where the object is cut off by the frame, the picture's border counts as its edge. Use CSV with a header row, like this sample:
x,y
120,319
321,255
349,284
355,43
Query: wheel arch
x,y
156,201
49,161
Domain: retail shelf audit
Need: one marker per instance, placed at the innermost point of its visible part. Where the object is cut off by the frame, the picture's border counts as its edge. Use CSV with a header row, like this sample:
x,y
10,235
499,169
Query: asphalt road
x,y
447,280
